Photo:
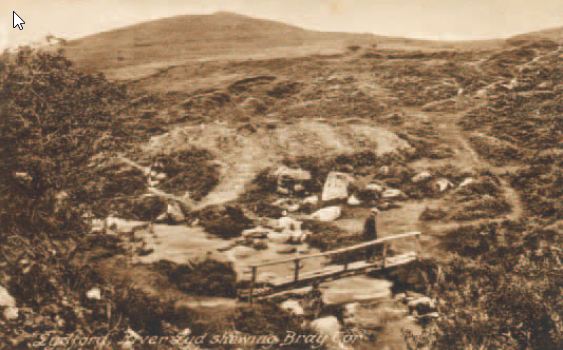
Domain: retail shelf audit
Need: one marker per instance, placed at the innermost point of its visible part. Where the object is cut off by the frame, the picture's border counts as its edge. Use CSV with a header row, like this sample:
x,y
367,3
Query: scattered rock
x,y
467,181
420,177
123,226
6,300
255,233
98,226
94,294
291,179
349,313
327,326
427,317
353,200
422,305
336,186
278,237
311,200
160,176
375,187
393,193
288,224
327,214
175,213
287,204
241,252
11,313
293,306
442,185
23,176
384,170
131,337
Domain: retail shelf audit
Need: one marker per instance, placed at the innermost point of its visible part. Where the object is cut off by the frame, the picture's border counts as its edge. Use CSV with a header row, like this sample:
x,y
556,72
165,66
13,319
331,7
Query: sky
x,y
429,19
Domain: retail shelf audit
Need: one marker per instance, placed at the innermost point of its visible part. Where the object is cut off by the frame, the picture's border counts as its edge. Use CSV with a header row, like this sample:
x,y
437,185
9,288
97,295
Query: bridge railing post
x,y
417,247
384,254
296,270
252,283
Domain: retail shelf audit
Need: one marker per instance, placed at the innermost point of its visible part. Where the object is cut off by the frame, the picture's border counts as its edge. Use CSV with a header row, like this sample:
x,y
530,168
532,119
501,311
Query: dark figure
x,y
370,233
316,299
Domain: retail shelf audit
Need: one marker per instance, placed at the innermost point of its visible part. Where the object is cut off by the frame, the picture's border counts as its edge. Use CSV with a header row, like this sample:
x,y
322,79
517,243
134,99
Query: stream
x,y
374,309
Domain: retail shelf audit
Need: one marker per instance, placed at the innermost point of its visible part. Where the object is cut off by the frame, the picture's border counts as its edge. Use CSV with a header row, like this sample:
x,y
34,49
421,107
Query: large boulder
x,y
336,186
356,289
327,214
291,179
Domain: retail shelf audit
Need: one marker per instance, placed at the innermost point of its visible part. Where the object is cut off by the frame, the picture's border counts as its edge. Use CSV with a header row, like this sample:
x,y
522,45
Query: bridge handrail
x,y
340,250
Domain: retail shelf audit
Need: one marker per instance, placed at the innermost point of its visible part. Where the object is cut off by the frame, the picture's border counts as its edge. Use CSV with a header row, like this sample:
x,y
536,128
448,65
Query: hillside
x,y
135,208
192,37
138,50
555,34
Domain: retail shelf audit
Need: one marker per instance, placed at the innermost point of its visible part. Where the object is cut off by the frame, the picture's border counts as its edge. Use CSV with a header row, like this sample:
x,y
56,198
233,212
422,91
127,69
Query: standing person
x,y
316,299
370,233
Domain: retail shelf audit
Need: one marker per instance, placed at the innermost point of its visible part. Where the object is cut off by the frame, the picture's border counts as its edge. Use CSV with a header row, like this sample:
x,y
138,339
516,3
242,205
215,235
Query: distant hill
x,y
191,37
145,48
555,34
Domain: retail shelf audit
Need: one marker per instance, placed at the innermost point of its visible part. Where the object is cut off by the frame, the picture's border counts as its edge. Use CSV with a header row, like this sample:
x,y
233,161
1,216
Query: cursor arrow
x,y
18,21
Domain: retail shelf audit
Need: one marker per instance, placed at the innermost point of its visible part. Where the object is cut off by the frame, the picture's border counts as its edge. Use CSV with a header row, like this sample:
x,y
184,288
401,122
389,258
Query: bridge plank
x,y
353,268
341,250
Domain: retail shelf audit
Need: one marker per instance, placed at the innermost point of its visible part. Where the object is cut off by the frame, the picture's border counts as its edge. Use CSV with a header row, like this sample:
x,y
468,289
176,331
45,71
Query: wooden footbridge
x,y
334,270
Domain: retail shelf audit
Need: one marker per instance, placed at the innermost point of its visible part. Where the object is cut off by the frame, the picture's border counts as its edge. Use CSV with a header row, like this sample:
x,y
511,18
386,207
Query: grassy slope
x,y
148,46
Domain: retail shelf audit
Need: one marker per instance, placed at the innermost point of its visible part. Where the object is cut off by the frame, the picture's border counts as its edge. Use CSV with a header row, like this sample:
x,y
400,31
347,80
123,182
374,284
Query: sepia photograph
x,y
281,175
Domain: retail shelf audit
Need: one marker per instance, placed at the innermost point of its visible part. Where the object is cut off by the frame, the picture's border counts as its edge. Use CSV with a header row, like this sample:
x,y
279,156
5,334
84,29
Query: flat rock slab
x,y
355,289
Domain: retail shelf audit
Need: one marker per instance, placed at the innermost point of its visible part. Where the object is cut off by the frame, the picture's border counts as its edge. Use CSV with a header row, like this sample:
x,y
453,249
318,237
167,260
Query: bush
x,y
207,277
484,207
226,222
430,214
189,171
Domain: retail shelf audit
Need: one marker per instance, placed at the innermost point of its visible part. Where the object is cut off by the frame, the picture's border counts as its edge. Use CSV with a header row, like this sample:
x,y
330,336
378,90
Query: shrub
x,y
208,277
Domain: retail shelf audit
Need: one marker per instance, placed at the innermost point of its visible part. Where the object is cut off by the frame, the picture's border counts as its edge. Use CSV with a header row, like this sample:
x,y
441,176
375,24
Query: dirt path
x,y
240,171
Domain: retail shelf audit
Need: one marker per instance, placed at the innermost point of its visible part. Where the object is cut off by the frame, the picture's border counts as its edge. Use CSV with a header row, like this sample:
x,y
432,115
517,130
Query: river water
x,y
375,309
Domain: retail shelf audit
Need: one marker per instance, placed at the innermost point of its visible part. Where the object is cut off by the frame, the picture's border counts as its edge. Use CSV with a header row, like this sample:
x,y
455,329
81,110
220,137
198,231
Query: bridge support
x,y
252,283
301,278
